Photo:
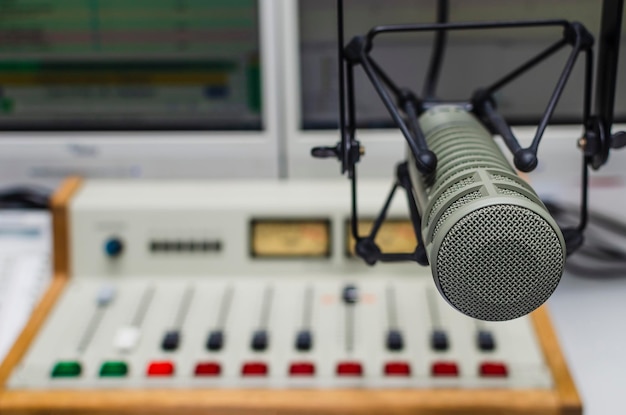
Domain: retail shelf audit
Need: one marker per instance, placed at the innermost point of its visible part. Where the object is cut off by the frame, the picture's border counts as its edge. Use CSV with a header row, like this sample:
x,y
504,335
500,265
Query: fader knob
x,y
395,341
171,340
215,342
350,294
485,341
304,340
439,340
260,340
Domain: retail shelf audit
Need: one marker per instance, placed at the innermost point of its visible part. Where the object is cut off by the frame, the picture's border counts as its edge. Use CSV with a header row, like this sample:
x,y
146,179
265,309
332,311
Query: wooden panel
x,y
59,205
331,402
29,333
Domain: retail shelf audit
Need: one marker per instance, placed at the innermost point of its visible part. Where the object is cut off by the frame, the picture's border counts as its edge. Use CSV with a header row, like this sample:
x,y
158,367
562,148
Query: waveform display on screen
x,y
130,64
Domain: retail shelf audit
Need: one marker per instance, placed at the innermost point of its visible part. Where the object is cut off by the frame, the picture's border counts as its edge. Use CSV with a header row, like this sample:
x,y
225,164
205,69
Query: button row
x,y
344,369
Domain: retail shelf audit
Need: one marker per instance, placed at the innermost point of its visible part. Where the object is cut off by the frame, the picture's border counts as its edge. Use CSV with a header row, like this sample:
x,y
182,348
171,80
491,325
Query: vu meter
x,y
290,238
395,235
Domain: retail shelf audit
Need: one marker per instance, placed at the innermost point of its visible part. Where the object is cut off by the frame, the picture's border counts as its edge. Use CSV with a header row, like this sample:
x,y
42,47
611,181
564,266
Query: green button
x,y
66,370
113,369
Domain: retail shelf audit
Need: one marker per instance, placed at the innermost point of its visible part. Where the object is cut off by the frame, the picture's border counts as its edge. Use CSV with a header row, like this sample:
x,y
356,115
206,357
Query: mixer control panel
x,y
246,297
274,333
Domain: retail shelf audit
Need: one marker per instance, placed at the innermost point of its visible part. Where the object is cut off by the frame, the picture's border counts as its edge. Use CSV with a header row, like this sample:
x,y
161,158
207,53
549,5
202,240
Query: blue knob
x,y
113,247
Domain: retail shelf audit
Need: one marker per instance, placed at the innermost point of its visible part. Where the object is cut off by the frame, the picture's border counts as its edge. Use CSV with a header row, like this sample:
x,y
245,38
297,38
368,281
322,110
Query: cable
x,y
603,253
25,197
439,47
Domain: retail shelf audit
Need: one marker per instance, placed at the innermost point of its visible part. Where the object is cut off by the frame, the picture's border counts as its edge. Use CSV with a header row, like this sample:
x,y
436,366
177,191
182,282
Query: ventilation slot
x,y
160,246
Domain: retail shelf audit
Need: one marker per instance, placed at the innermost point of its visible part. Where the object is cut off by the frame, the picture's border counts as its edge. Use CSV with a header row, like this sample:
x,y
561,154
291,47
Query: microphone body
x,y
495,251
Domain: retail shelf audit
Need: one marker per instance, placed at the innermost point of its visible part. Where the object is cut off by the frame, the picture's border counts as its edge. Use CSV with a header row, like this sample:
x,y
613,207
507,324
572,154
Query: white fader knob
x,y
105,296
126,338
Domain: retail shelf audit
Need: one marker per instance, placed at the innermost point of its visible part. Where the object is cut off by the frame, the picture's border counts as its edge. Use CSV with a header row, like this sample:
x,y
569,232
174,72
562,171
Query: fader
x,y
250,289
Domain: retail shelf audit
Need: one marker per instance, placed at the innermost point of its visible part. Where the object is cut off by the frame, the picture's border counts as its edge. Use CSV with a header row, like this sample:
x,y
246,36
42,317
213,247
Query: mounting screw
x,y
582,143
361,151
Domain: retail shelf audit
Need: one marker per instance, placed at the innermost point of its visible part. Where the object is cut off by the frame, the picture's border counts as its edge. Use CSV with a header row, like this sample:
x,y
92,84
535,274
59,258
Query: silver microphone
x,y
495,251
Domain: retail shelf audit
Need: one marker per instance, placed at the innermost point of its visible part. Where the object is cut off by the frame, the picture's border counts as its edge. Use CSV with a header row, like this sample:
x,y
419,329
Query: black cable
x,y
25,197
439,47
603,253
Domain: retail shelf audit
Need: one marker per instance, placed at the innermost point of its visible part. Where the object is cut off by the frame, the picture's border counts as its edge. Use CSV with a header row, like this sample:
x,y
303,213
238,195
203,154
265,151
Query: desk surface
x,y
589,316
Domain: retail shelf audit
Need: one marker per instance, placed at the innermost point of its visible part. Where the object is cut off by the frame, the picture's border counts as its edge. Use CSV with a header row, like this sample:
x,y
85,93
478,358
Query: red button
x,y
254,369
208,369
163,368
493,369
349,369
302,369
397,369
445,369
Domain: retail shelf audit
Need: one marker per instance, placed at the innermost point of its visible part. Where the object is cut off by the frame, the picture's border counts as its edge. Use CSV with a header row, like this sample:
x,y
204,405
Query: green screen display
x,y
191,64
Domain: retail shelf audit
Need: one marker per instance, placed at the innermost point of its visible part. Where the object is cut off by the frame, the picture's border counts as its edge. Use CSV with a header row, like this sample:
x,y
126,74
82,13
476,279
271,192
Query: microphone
x,y
495,251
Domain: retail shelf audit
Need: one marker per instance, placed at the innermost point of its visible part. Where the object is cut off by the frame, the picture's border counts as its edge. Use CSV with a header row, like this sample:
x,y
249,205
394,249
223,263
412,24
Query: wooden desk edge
x,y
59,205
37,318
564,384
283,402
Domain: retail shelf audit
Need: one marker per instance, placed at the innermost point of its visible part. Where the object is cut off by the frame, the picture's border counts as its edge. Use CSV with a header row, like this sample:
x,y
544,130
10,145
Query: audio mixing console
x,y
277,333
246,296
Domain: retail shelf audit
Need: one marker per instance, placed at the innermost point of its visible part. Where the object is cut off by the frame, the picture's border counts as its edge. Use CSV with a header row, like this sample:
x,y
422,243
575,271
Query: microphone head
x,y
495,251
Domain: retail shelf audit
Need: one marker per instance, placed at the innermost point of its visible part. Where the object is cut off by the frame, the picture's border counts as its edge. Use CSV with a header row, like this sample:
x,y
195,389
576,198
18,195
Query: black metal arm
x,y
405,106
366,247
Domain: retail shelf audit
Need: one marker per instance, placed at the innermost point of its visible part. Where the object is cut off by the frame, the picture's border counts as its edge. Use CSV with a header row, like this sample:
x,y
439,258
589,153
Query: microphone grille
x,y
499,262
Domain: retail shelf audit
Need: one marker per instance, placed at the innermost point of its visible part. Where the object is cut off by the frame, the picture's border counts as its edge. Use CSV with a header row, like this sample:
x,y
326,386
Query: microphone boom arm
x,y
366,247
408,107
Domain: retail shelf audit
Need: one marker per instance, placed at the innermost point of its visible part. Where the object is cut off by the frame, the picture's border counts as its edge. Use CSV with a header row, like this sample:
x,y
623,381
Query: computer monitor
x,y
472,59
144,88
